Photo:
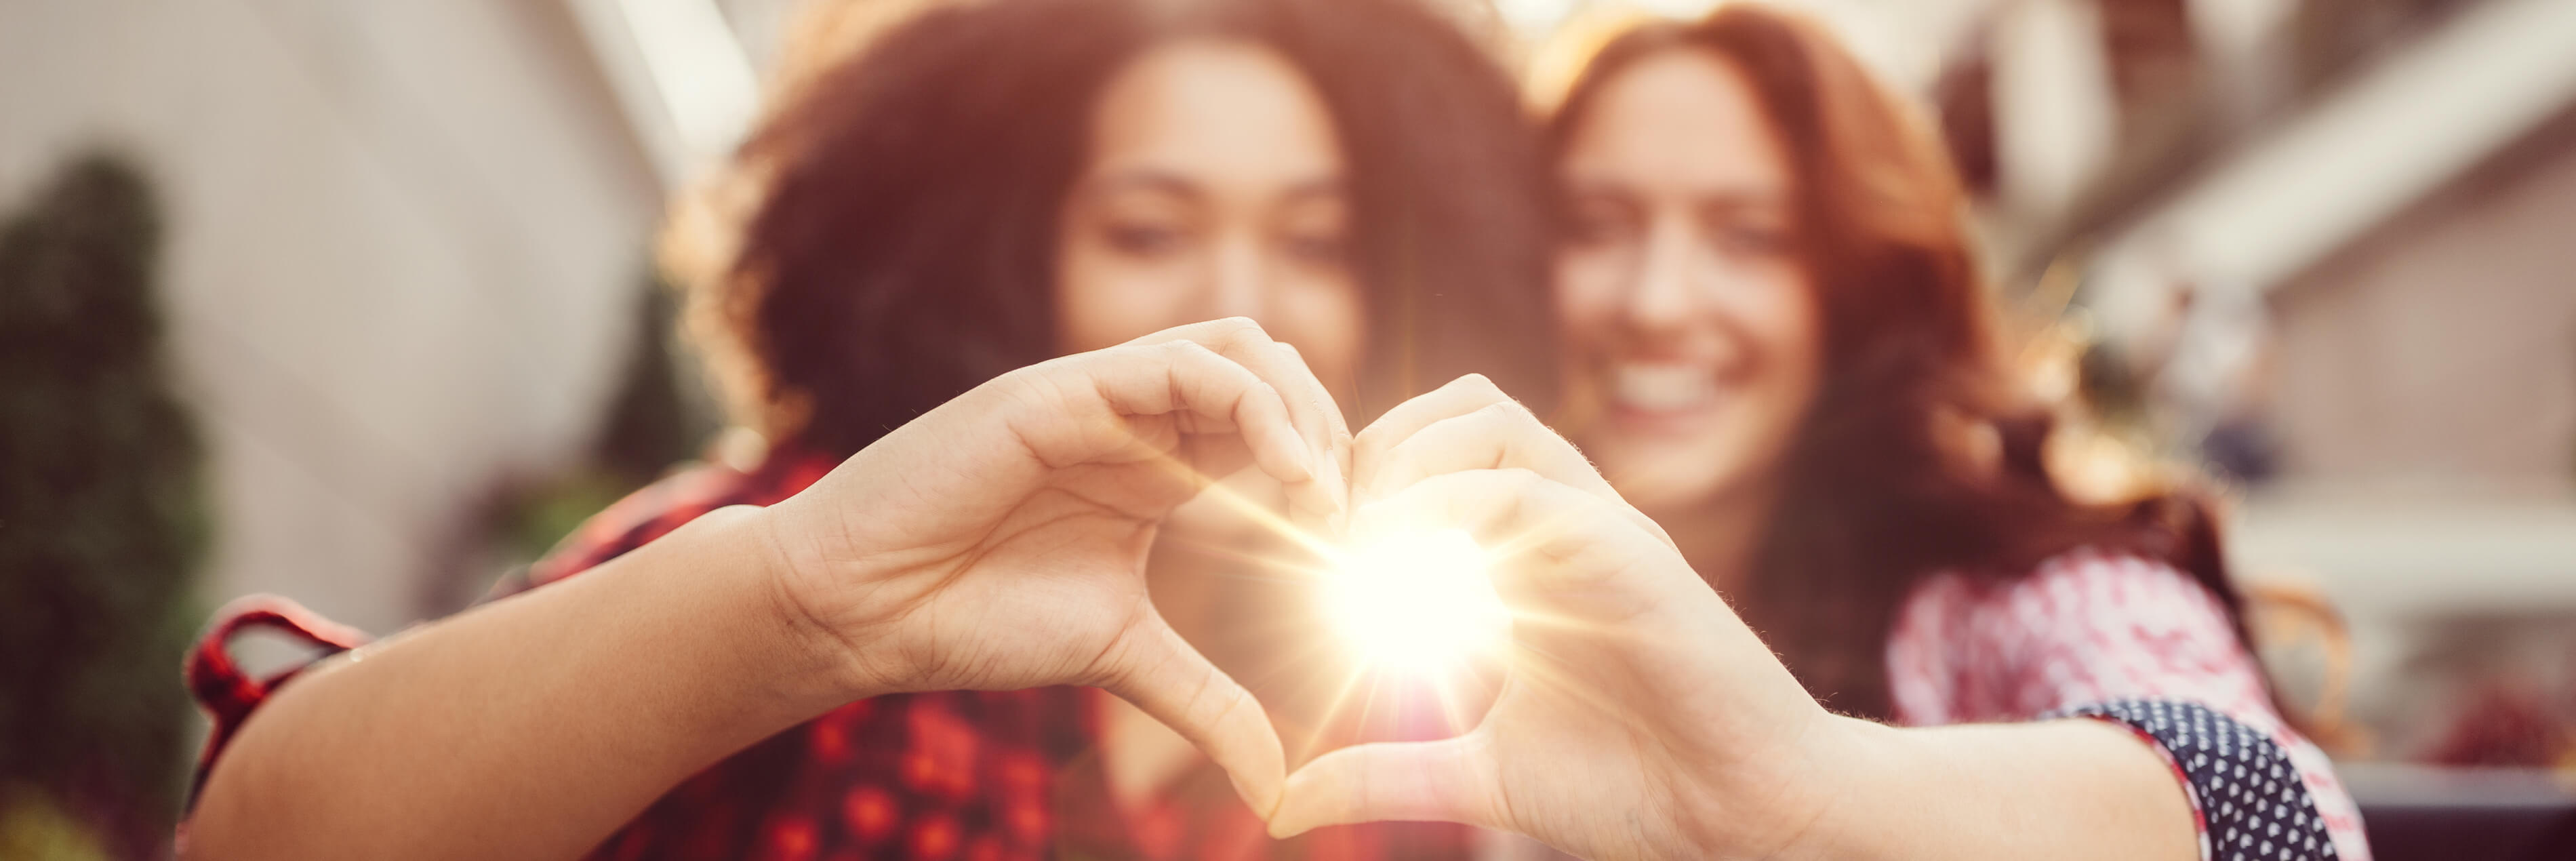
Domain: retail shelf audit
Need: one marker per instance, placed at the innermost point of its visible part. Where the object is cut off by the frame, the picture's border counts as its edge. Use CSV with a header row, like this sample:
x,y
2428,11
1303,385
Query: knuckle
x,y
1368,442
1472,382
1186,352
1238,329
1506,413
1034,386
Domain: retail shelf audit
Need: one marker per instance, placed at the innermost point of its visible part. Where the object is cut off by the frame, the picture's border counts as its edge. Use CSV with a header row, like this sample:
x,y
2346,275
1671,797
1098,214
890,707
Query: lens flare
x,y
1417,603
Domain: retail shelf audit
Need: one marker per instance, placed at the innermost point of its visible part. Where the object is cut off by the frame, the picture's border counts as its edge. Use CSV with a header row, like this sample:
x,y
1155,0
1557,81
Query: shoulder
x,y
2078,627
2071,592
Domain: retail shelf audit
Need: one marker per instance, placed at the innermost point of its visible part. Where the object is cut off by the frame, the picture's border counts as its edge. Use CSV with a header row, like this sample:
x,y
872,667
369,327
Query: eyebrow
x,y
1738,200
1168,182
1145,178
1728,197
1322,186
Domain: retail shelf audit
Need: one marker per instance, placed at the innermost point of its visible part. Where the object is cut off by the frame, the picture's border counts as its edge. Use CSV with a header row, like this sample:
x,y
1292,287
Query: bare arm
x,y
529,728
2067,788
996,543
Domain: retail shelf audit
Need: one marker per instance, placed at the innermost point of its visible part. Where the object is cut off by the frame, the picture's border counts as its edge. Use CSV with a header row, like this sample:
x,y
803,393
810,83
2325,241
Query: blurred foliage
x,y
657,417
661,412
34,828
103,519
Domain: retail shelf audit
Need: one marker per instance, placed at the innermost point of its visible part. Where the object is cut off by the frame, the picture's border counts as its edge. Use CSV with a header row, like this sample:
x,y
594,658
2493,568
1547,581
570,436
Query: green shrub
x,y
102,510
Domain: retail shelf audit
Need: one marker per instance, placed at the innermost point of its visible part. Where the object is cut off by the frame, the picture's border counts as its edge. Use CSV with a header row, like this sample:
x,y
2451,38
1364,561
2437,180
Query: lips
x,y
1662,388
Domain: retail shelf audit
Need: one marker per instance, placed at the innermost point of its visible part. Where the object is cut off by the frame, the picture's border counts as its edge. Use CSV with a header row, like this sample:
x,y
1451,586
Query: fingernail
x,y
1282,828
1304,465
1263,804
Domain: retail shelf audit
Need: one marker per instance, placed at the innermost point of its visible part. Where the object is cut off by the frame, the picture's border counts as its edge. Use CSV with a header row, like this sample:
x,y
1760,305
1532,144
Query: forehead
x,y
1215,111
1681,118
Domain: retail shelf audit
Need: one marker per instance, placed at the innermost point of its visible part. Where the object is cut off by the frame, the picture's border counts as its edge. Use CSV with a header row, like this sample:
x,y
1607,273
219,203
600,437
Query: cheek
x,y
1324,317
1790,332
1588,293
1103,300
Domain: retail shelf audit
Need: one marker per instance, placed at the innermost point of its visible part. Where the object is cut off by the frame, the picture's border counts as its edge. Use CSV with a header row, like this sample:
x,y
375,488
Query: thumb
x,y
1165,676
1449,780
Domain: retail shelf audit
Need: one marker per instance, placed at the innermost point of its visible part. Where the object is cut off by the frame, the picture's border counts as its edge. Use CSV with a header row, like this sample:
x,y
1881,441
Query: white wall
x,y
402,243
2437,354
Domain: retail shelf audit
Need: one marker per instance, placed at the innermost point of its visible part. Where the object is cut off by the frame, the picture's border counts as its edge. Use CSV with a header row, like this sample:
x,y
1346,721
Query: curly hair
x,y
884,241
1922,453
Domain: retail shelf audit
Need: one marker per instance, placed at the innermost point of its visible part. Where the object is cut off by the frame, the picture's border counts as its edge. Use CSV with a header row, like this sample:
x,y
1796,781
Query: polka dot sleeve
x,y
2087,629
2252,804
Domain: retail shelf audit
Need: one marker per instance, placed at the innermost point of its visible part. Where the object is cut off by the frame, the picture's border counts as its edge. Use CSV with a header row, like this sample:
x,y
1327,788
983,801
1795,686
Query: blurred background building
x,y
2321,247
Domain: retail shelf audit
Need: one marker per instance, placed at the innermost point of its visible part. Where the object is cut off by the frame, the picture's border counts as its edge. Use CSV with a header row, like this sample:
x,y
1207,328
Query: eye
x,y
1751,235
1318,248
1599,221
1312,228
1752,239
1142,239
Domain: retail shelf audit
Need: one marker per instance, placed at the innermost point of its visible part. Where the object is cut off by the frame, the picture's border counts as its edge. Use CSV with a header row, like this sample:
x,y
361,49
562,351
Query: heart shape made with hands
x,y
1404,635
1476,544
1396,630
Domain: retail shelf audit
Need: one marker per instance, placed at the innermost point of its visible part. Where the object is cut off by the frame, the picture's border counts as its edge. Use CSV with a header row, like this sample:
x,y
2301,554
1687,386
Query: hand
x,y
1640,717
999,541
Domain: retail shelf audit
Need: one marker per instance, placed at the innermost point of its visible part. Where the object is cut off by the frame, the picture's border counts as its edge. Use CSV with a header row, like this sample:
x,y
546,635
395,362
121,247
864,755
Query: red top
x,y
964,775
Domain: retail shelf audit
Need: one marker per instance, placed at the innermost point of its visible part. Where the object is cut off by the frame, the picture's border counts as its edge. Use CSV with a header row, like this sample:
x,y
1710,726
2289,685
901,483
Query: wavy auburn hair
x,y
1921,453
885,240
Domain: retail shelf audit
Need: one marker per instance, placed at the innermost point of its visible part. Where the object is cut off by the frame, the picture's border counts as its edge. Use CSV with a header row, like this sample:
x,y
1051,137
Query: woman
x,y
984,186
1779,351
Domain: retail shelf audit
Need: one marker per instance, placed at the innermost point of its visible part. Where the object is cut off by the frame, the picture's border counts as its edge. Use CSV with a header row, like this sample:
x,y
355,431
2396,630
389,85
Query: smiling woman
x,y
1773,306
933,203
1779,348
956,276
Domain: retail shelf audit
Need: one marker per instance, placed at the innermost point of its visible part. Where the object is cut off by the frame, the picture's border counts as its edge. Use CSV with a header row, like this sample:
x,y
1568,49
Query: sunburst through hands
x,y
1420,603
1408,612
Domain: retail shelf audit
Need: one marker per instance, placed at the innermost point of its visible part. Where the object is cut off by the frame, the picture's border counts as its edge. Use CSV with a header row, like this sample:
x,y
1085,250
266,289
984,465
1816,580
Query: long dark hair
x,y
885,239
1920,453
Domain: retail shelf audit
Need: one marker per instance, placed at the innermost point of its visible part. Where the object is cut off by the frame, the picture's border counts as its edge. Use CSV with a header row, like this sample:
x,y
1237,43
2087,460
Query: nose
x,y
1680,298
1663,296
1237,280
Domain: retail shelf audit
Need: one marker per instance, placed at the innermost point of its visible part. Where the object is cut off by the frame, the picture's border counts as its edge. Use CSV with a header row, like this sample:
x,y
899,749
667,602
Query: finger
x,y
1163,675
1310,405
1188,378
1459,397
1338,462
1449,780
1502,435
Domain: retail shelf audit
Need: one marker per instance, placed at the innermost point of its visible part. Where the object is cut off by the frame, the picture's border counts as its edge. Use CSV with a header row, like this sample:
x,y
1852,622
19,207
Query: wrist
x,y
1852,790
795,656
1798,802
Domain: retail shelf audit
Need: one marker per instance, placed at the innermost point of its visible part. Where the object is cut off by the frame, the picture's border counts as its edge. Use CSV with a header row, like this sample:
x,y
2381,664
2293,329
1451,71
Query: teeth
x,y
1663,387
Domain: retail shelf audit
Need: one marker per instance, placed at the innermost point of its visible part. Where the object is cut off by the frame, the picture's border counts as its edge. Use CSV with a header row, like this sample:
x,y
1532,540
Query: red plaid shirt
x,y
969,775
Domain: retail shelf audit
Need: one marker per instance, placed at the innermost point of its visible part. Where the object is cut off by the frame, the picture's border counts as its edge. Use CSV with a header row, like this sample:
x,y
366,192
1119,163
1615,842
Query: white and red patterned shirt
x,y
2088,628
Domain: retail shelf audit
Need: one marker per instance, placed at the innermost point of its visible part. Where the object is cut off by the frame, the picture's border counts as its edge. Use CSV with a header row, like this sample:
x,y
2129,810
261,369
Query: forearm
x,y
2050,789
529,728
